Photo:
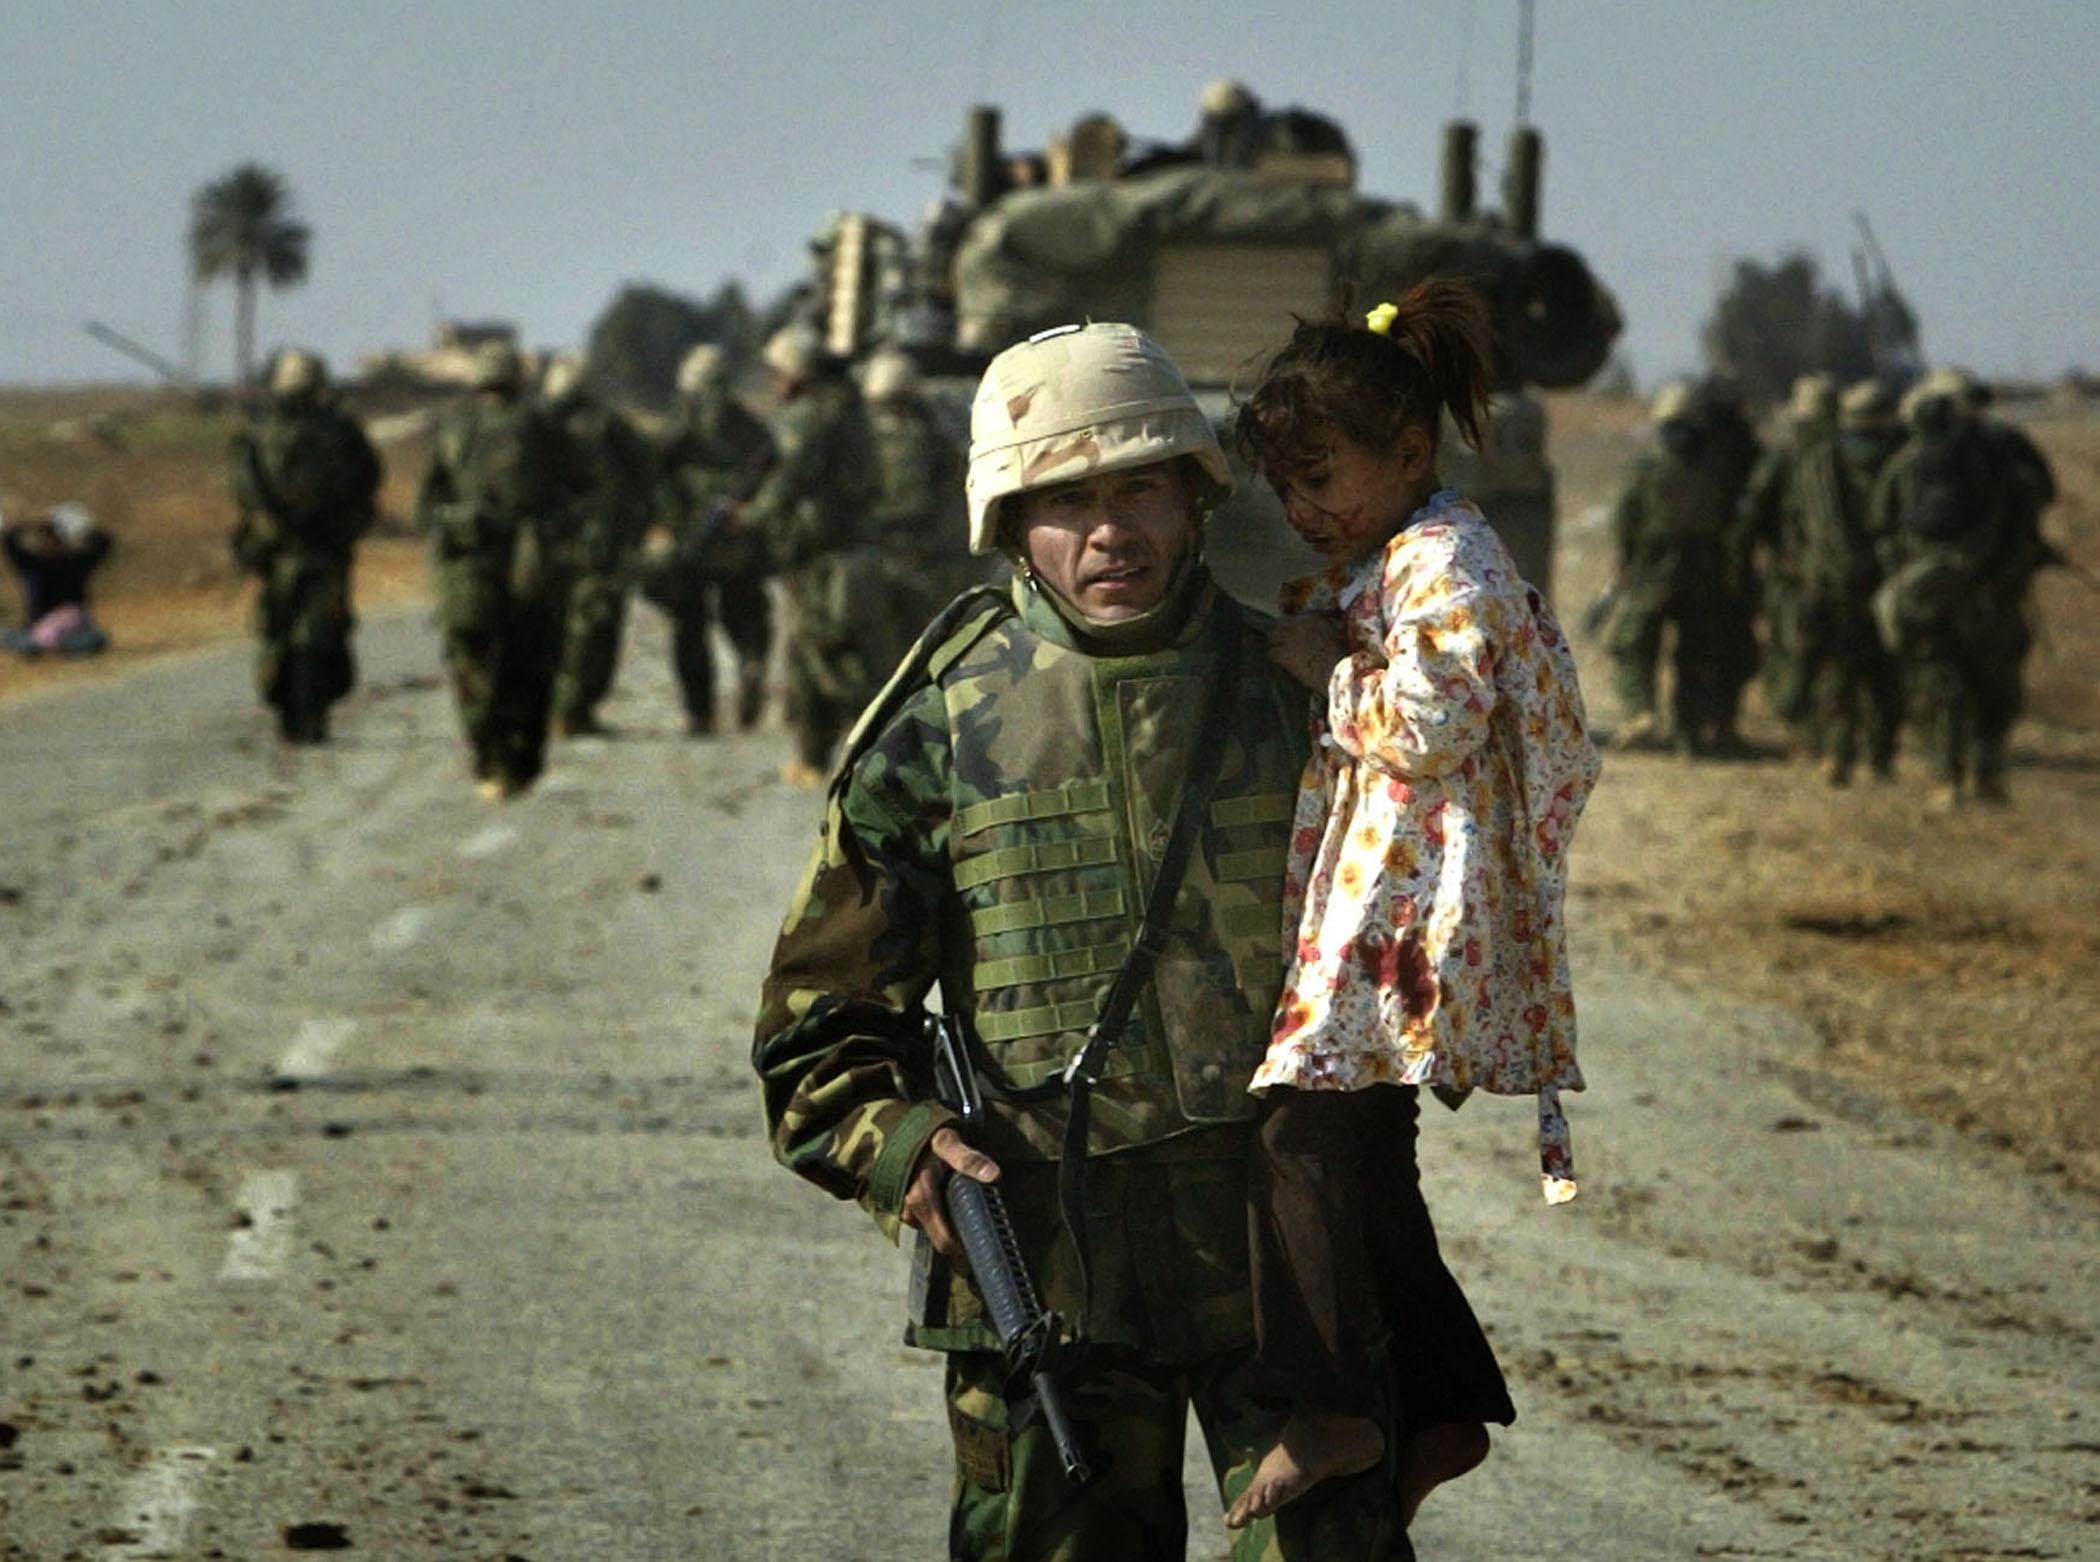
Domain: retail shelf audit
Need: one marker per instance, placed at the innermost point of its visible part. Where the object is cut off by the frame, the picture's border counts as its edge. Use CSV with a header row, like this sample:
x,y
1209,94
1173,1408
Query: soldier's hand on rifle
x,y
945,1154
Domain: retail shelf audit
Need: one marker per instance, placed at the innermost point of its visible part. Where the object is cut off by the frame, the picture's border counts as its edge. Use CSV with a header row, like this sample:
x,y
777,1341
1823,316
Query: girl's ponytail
x,y
1371,376
1445,326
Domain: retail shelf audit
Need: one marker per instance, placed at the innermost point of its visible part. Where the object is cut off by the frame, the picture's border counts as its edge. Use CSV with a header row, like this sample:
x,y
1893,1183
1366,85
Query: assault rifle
x,y
1030,1338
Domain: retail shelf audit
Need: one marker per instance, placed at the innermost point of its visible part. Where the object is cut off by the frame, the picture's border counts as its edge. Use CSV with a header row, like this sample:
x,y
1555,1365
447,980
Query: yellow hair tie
x,y
1381,319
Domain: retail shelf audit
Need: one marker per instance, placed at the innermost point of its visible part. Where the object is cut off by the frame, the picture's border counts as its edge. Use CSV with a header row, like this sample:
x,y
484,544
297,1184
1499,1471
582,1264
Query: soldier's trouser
x,y
827,686
1997,653
1635,646
591,651
1787,680
1345,1264
1012,1502
304,662
1856,688
745,610
1944,690
503,650
521,700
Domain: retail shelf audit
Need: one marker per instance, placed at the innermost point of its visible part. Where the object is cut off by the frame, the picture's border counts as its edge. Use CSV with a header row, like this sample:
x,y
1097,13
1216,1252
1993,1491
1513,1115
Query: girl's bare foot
x,y
1315,1446
1437,1454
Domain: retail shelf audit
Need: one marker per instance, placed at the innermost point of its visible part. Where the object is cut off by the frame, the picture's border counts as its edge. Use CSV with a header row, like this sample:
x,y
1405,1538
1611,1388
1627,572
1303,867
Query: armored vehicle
x,y
1213,245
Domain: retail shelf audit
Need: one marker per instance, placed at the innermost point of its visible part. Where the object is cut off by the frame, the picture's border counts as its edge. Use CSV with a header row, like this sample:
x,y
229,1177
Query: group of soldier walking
x,y
1886,550
545,511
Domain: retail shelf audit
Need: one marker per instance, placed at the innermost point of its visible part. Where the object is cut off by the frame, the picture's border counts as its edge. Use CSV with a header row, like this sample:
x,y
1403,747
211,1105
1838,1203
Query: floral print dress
x,y
1423,928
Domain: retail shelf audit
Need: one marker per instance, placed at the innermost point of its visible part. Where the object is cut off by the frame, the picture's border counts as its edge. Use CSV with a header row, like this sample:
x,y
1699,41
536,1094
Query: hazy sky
x,y
520,160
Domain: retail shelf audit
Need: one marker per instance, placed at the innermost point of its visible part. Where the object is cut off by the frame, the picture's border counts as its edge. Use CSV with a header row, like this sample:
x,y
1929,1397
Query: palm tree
x,y
242,226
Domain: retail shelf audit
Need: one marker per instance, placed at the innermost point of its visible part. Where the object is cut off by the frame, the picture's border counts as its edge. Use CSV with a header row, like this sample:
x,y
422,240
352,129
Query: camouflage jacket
x,y
496,477
915,513
994,835
824,478
1676,531
716,450
304,479
1943,494
607,476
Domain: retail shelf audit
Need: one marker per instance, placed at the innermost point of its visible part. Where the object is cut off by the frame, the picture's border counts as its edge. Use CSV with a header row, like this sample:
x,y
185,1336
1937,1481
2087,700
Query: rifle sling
x,y
1084,1071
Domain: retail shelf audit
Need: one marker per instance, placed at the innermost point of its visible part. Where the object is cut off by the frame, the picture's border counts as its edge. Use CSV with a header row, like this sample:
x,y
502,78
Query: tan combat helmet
x,y
1676,402
1814,399
1866,404
1224,98
1077,401
497,367
297,373
564,376
1950,385
704,368
791,353
890,376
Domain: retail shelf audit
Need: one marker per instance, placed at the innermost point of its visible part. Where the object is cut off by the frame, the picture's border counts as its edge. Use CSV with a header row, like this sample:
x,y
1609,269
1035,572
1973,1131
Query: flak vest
x,y
1067,770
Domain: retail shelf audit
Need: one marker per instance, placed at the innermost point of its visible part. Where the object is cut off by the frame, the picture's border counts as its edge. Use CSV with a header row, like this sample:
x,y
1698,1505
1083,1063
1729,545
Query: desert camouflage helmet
x,y
564,376
1866,404
1949,385
498,366
1674,403
792,352
890,374
297,373
1078,401
704,368
1225,97
1813,400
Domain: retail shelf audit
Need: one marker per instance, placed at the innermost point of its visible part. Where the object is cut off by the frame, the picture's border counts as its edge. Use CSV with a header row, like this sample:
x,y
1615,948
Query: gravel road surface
x,y
382,1170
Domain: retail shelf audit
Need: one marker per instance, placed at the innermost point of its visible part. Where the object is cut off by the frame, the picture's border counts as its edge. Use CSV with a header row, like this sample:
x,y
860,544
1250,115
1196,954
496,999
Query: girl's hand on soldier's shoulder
x,y
1308,647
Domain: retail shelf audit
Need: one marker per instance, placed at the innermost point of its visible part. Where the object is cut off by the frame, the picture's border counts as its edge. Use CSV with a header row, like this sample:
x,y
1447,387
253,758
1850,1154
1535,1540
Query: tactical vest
x,y
1068,769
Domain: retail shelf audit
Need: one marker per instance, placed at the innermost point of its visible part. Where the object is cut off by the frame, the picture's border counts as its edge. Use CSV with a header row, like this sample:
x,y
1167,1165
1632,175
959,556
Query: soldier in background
x,y
1942,518
2004,635
609,485
1772,521
1511,482
916,519
1678,547
1853,690
499,518
812,510
305,481
709,570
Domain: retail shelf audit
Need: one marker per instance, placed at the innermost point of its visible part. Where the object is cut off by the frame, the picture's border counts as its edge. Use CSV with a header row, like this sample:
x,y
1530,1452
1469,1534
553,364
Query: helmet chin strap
x,y
1156,625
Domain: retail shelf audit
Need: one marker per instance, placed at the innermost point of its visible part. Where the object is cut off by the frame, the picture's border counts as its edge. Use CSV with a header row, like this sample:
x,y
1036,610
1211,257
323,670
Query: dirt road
x,y
371,1158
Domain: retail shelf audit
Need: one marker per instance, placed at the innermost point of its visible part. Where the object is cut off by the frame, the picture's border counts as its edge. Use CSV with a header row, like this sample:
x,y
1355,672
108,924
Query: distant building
x,y
450,358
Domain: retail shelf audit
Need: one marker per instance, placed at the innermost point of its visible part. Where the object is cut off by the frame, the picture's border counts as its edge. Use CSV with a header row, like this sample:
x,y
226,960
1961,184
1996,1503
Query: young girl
x,y
1422,898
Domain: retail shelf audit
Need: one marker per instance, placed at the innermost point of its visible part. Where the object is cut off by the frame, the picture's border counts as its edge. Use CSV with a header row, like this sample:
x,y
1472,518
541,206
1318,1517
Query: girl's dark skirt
x,y
1354,1309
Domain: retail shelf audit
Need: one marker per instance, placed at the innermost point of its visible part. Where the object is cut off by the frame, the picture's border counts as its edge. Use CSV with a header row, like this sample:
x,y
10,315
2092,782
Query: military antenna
x,y
1524,21
138,354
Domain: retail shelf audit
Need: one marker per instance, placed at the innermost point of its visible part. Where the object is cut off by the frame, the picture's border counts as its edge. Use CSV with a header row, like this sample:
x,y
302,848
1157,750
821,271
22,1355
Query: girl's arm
x,y
1423,709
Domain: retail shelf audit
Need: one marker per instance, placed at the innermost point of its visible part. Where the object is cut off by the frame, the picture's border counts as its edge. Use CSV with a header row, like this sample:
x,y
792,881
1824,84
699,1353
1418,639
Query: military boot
x,y
750,696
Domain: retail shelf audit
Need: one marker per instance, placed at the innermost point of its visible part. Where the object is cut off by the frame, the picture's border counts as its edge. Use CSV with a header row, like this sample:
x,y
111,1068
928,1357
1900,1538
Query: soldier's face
x,y
1108,544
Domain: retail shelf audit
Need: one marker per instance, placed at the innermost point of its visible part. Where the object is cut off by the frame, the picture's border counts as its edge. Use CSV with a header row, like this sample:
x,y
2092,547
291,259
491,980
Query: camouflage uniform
x,y
609,479
494,503
1681,565
2002,636
1942,517
1853,688
995,828
304,479
715,454
916,519
812,511
1772,522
